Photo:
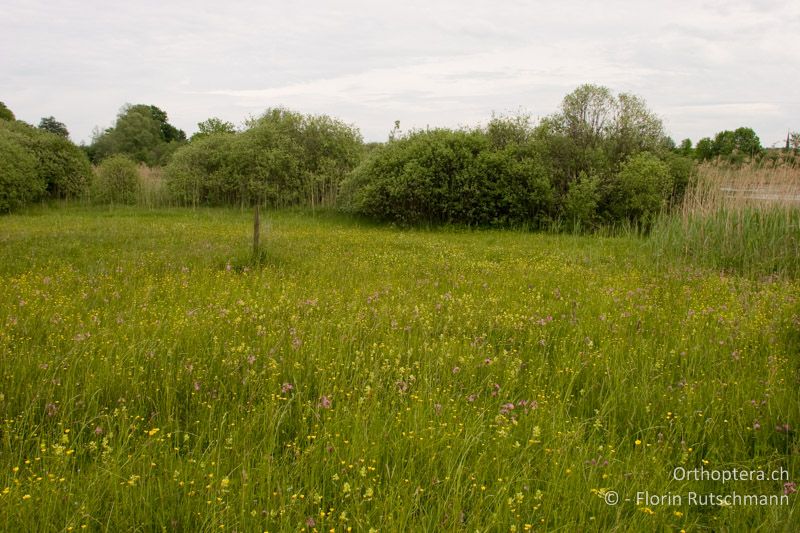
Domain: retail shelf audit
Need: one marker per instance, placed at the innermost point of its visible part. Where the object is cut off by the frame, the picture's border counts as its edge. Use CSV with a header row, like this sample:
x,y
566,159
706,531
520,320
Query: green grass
x,y
151,376
754,240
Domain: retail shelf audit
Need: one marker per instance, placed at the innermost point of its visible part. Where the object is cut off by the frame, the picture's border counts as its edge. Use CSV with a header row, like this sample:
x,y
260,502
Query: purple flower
x,y
325,402
51,409
790,487
286,387
506,408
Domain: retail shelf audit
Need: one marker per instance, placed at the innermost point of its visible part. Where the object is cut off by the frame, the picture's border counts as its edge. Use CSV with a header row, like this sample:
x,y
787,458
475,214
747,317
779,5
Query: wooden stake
x,y
256,233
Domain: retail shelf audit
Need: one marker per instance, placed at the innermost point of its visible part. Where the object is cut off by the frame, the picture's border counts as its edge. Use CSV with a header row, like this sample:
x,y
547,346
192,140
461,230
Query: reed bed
x,y
744,220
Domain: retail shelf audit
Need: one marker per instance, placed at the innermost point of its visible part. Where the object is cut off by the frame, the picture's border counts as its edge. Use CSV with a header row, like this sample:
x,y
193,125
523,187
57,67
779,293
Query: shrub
x,y
64,166
446,176
19,181
581,200
59,170
117,181
282,158
640,190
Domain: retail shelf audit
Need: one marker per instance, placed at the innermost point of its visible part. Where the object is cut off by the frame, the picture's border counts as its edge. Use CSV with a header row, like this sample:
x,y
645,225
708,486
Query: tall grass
x,y
744,220
152,188
425,380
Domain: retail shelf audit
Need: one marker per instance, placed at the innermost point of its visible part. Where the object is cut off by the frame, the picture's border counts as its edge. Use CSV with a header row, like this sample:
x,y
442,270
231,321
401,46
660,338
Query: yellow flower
x,y
153,431
637,442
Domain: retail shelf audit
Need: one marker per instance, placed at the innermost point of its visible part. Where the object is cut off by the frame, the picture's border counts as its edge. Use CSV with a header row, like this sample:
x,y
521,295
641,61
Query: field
x,y
152,376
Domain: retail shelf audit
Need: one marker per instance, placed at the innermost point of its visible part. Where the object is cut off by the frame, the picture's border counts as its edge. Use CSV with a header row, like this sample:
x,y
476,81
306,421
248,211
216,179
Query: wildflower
x,y
153,431
506,408
637,442
346,488
98,430
286,387
789,487
325,402
310,522
51,409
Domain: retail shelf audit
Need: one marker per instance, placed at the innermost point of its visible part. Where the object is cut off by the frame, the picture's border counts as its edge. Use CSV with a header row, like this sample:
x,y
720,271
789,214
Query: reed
x,y
744,220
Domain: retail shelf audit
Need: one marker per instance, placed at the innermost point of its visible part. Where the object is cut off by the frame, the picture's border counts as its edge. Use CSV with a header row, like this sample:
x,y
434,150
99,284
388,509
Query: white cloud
x,y
702,66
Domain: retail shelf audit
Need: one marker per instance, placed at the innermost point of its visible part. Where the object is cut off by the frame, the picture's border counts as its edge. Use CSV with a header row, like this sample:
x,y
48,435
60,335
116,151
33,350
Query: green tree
x,y
51,125
5,113
747,142
685,148
705,149
213,126
281,158
141,132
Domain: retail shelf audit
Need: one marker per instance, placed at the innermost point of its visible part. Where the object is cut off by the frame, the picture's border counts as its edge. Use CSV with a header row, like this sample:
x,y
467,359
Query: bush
x,y
19,181
282,158
117,181
59,170
640,190
581,201
64,166
446,176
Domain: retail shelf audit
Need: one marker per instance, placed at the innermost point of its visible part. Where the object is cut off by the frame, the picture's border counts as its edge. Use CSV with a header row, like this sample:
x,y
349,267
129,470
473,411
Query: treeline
x,y
602,158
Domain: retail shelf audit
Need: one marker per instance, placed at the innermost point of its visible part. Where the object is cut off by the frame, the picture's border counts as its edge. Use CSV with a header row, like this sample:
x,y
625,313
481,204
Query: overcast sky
x,y
701,66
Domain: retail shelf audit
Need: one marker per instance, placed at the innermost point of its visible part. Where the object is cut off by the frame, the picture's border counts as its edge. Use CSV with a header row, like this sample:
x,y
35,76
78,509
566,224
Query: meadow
x,y
362,377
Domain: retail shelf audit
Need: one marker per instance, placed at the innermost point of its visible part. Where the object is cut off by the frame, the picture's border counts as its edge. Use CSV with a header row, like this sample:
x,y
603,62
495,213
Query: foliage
x,y
117,181
141,132
6,113
640,190
281,158
733,145
50,124
582,200
60,170
444,176
576,165
19,182
213,126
